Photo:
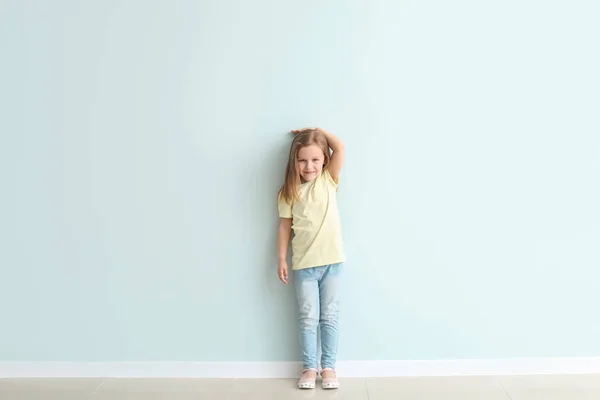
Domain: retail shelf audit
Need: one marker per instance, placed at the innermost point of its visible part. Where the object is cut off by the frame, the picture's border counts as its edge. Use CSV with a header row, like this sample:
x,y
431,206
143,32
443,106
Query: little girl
x,y
307,204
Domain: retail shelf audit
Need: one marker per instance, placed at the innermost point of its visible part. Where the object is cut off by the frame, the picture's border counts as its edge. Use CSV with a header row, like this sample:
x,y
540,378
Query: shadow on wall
x,y
264,176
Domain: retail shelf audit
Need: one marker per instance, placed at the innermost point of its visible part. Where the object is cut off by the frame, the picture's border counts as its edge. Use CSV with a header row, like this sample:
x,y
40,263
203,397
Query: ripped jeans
x,y
318,305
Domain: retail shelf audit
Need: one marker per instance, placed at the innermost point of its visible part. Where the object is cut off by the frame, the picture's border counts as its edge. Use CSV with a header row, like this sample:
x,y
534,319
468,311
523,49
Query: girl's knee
x,y
308,322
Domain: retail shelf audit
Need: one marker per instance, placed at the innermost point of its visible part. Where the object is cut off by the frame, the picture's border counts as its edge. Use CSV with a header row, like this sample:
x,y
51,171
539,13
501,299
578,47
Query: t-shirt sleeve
x,y
285,208
329,178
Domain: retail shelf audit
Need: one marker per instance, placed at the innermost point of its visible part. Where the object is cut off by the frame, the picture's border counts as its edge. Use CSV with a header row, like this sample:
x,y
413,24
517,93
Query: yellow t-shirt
x,y
316,223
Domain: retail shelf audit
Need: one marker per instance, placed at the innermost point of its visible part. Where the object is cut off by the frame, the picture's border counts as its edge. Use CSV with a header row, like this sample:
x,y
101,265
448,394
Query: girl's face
x,y
310,162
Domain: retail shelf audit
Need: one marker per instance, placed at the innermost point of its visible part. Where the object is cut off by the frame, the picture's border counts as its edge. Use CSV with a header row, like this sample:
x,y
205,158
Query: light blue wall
x,y
143,143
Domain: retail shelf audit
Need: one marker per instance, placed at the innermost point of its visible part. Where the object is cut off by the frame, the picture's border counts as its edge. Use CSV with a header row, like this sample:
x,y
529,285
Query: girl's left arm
x,y
337,157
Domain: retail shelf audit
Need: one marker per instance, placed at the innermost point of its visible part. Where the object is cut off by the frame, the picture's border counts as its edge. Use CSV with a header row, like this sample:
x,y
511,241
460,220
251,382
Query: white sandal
x,y
329,383
306,382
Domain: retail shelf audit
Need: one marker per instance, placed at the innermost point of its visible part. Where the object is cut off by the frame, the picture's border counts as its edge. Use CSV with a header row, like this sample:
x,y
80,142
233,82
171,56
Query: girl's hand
x,y
297,131
282,271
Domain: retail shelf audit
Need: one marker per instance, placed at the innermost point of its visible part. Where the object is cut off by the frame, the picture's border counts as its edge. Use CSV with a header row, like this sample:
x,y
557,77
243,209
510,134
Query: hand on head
x,y
297,131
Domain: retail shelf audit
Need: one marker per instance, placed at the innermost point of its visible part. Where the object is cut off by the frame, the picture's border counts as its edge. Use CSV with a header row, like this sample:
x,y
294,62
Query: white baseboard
x,y
516,366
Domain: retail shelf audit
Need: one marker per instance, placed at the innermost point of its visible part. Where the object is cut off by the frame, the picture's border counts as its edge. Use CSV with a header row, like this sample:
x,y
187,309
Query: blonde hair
x,y
289,190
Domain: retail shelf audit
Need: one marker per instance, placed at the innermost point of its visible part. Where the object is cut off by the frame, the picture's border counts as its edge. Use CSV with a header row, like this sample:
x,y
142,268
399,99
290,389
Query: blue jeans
x,y
318,303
